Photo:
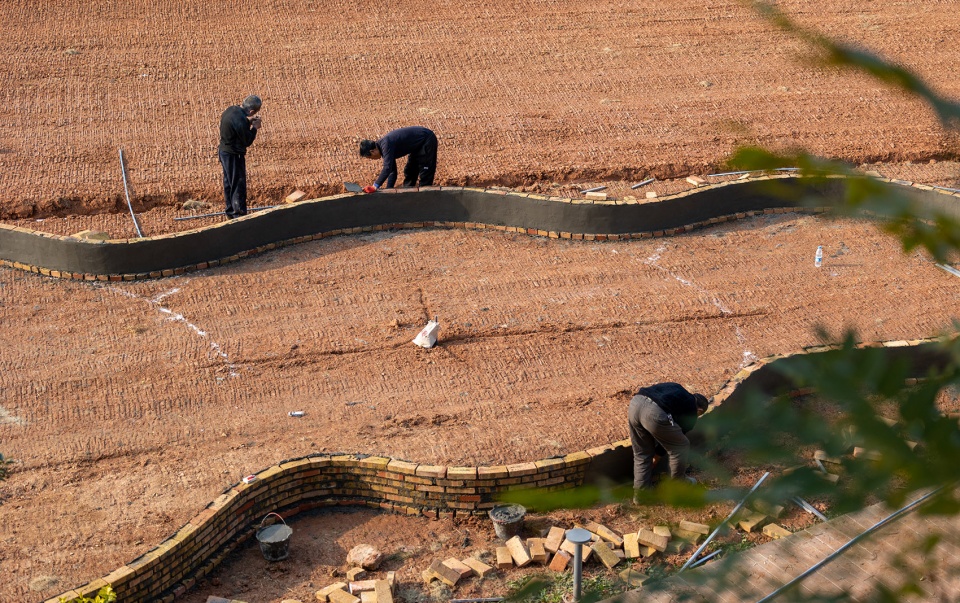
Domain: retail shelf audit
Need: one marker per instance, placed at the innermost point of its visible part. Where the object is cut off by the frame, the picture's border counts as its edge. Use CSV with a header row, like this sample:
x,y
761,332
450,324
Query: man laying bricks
x,y
662,414
416,141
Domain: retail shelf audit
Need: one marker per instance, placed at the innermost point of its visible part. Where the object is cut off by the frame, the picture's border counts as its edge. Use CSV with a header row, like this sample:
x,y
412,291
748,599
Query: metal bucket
x,y
274,539
507,520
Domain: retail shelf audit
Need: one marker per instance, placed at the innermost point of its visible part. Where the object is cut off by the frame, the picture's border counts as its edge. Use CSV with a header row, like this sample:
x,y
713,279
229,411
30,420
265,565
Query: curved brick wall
x,y
446,207
324,480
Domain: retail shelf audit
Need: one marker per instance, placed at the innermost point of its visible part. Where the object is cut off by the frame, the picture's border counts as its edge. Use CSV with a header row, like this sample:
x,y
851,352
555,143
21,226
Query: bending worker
x,y
662,414
416,141
238,129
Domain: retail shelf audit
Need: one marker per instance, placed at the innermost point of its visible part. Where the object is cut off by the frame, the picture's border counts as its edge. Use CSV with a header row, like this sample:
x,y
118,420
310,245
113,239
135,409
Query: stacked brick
x,y
606,547
167,571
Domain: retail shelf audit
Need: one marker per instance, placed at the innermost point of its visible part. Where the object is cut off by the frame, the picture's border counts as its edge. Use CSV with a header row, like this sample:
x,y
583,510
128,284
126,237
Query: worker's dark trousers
x,y
234,184
649,425
422,164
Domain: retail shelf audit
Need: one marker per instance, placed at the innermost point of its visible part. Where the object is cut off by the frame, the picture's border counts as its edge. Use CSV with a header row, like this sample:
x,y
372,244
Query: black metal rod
x,y
644,183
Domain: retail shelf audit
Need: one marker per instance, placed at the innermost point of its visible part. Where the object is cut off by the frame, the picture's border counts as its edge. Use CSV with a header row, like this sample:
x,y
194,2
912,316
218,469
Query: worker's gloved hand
x,y
369,189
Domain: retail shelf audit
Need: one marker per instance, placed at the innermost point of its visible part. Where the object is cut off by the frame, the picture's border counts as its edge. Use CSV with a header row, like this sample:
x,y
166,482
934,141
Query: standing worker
x,y
662,414
416,141
238,129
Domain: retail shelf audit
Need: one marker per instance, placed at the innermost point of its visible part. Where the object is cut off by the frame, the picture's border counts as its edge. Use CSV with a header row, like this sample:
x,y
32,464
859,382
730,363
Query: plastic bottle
x,y
818,259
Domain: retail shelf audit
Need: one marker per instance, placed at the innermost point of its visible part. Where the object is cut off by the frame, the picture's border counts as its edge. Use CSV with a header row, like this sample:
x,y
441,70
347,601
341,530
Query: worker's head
x,y
251,105
702,403
369,149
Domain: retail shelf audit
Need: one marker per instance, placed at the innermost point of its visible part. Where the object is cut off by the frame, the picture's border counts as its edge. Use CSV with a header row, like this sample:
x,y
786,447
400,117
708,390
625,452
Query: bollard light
x,y
579,537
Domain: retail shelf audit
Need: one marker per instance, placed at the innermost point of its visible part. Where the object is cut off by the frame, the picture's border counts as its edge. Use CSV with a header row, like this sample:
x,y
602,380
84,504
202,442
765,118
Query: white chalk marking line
x,y
748,356
8,418
176,317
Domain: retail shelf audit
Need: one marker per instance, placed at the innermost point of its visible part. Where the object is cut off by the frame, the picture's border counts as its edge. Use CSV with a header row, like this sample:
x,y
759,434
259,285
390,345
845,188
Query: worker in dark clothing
x,y
238,129
662,414
416,141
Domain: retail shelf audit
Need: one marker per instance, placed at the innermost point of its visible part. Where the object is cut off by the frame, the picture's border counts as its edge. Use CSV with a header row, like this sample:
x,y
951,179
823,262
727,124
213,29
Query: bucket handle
x,y
268,515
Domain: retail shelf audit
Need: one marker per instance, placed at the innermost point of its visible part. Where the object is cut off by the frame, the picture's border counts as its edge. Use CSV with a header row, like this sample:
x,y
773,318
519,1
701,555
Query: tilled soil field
x,y
518,91
130,406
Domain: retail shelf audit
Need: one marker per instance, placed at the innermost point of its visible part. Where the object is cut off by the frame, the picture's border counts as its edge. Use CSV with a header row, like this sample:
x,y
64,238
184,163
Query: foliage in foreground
x,y
4,467
917,454
104,595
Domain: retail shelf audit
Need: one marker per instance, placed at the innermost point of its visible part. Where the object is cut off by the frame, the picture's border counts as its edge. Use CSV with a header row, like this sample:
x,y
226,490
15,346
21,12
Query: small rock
x,y
706,83
195,204
366,556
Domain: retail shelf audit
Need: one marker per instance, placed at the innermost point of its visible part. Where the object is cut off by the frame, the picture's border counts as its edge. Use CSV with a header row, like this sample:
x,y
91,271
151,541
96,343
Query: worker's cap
x,y
702,403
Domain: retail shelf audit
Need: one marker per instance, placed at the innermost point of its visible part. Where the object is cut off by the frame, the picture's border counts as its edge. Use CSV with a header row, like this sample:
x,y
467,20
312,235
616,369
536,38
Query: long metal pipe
x,y
126,191
644,183
703,560
950,269
888,519
220,213
723,523
731,173
809,508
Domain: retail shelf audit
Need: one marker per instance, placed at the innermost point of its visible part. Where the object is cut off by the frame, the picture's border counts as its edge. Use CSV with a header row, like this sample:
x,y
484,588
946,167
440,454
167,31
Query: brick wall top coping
x,y
445,207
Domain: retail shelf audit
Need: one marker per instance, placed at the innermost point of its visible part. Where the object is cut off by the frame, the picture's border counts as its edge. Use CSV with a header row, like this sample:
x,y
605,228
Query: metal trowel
x,y
353,187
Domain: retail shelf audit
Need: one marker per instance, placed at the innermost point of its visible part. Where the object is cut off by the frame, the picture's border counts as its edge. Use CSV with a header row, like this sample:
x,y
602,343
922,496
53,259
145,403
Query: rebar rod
x,y
126,191
730,173
594,189
723,523
888,519
644,183
220,213
950,269
809,508
703,560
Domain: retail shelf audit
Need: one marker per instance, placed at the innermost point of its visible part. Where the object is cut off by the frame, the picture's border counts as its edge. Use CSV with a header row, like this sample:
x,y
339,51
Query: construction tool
x,y
353,187
594,189
644,183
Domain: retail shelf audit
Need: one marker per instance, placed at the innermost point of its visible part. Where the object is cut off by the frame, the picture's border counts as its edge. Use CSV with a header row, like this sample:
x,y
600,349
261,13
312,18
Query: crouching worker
x,y
417,142
662,414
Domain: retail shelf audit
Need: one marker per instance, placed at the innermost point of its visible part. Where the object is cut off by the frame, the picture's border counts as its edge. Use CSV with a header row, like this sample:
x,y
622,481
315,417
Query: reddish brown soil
x,y
518,91
130,406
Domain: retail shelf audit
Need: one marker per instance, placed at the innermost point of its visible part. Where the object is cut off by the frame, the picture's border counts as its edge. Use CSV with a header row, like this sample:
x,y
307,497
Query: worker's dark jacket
x,y
396,144
675,401
236,134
